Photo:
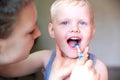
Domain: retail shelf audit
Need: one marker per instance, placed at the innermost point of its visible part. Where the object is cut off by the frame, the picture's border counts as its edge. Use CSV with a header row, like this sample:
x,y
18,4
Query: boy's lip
x,y
71,41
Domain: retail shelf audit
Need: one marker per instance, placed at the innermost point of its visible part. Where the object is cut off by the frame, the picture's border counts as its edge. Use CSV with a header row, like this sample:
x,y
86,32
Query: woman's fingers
x,y
85,52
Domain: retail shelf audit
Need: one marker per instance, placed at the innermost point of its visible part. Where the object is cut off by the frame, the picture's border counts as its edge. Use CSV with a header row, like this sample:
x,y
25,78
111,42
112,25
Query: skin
x,y
17,47
84,71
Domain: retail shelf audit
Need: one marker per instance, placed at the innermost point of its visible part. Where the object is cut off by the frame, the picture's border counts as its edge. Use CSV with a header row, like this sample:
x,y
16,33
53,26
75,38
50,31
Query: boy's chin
x,y
71,57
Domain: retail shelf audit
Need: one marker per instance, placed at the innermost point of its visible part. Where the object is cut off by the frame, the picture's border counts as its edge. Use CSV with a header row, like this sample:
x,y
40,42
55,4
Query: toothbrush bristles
x,y
76,44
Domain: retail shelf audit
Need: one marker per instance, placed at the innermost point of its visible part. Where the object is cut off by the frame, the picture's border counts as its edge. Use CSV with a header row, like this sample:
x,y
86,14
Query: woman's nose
x,y
37,33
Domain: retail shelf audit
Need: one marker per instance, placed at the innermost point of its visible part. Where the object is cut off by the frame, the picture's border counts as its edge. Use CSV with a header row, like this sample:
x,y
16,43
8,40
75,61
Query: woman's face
x,y
17,47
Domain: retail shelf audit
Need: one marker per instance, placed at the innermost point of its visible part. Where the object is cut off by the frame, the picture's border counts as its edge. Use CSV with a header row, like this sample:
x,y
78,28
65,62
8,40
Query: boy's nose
x,y
37,33
75,29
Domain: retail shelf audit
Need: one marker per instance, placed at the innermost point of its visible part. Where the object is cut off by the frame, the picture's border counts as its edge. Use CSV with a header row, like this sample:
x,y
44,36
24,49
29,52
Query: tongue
x,y
72,43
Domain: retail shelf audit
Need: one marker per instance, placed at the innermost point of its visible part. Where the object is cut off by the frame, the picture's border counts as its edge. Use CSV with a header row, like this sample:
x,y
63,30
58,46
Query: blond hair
x,y
59,3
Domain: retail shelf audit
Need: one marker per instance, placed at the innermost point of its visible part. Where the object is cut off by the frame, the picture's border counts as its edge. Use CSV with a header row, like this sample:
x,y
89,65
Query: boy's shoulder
x,y
102,69
99,64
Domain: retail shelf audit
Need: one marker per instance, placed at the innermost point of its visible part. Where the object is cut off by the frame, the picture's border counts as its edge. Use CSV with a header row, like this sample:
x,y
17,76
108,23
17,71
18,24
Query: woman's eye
x,y
31,32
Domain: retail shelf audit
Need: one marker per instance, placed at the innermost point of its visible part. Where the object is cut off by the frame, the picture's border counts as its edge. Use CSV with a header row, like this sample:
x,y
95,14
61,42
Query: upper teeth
x,y
74,38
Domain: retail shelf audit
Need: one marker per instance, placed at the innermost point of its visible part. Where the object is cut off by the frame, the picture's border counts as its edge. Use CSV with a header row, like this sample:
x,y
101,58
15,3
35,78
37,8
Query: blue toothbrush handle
x,y
80,55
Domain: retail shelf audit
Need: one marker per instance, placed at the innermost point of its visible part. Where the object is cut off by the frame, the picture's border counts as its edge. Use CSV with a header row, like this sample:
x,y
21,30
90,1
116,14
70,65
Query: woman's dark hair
x,y
9,9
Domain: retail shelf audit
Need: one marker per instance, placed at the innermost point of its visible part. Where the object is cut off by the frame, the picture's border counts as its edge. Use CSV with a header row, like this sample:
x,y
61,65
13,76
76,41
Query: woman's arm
x,y
29,65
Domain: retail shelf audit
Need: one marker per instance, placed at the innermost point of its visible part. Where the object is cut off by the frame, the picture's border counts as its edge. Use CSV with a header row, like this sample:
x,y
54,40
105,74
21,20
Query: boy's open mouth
x,y
72,41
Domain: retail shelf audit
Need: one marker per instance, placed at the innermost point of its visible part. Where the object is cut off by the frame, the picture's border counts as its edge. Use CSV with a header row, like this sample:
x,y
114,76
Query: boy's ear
x,y
51,30
93,31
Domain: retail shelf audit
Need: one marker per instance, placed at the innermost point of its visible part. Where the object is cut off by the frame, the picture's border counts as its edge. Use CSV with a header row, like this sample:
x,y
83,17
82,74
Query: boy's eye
x,y
65,22
83,23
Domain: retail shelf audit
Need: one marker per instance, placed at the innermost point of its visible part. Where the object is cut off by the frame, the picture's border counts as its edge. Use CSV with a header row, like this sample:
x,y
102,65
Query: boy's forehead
x,y
61,6
74,13
73,9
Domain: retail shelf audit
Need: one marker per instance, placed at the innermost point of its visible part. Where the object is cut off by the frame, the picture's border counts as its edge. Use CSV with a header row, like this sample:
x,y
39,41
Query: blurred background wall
x,y
106,42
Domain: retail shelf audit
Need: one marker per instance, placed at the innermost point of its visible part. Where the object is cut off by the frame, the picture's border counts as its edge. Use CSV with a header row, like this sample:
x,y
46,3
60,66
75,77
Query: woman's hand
x,y
84,71
61,67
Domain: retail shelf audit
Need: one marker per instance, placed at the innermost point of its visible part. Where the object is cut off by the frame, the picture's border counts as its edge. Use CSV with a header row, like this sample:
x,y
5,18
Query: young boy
x,y
72,22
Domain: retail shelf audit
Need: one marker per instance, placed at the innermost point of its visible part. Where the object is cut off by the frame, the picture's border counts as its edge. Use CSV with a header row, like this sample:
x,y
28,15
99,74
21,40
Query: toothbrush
x,y
79,51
